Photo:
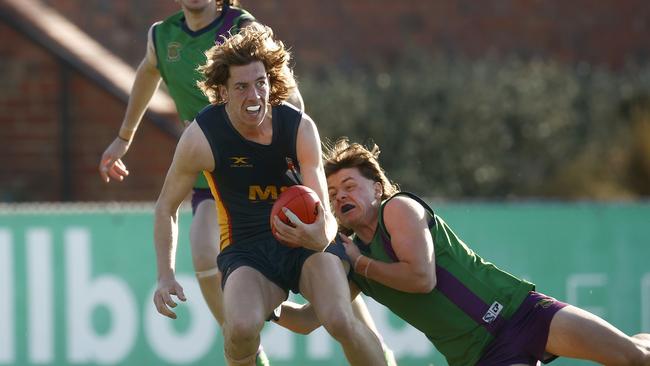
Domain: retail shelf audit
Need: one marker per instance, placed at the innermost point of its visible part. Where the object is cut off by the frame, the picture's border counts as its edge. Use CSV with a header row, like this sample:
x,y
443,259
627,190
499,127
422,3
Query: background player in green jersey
x,y
409,259
245,82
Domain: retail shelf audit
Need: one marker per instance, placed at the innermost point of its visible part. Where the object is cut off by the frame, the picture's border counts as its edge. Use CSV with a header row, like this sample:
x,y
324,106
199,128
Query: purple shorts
x,y
523,338
199,195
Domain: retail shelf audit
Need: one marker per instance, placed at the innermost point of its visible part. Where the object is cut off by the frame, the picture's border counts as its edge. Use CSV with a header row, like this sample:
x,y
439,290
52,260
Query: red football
x,y
301,200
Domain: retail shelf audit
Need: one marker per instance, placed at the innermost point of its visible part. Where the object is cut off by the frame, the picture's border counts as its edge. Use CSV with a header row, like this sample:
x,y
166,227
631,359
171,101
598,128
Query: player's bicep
x,y
407,223
310,159
192,156
150,61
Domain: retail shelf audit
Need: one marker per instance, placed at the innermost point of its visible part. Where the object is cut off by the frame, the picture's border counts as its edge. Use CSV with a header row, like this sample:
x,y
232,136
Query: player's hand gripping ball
x,y
299,199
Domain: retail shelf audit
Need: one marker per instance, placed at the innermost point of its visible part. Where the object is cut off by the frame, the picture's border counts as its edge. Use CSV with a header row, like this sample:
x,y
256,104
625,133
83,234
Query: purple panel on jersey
x,y
468,301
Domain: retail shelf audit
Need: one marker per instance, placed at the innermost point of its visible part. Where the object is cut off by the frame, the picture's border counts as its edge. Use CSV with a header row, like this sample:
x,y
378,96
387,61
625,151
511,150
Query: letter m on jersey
x,y
256,193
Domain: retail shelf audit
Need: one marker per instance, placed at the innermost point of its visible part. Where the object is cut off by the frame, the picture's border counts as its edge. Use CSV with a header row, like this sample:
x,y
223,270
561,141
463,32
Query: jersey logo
x,y
174,51
545,303
292,171
257,193
240,162
493,312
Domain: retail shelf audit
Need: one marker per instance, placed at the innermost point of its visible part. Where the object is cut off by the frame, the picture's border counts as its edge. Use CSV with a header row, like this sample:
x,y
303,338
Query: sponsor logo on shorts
x,y
545,303
493,312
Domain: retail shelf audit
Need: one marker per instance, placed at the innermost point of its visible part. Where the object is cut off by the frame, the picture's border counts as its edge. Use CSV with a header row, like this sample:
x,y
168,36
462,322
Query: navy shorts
x,y
523,338
337,248
279,263
199,195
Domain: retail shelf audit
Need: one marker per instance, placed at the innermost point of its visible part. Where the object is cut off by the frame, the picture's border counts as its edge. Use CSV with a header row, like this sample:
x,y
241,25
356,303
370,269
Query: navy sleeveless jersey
x,y
248,176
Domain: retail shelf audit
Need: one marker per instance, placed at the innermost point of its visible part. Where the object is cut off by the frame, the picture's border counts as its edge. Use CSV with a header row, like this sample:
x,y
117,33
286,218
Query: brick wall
x,y
322,34
326,33
32,168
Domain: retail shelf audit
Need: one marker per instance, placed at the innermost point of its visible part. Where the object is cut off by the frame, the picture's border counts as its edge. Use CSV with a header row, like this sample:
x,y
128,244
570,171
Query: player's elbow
x,y
425,283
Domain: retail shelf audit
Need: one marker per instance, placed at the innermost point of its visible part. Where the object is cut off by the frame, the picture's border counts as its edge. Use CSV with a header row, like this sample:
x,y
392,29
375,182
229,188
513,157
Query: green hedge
x,y
492,128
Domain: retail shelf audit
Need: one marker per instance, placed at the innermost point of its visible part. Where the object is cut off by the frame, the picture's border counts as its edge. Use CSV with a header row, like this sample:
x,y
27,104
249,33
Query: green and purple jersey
x,y
472,298
180,51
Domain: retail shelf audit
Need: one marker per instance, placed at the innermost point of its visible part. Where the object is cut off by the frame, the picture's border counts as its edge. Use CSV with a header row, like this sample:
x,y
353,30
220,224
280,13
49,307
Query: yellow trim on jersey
x,y
223,218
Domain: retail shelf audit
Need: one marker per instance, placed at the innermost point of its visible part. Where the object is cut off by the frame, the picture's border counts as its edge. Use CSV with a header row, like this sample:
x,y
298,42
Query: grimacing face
x,y
355,199
247,94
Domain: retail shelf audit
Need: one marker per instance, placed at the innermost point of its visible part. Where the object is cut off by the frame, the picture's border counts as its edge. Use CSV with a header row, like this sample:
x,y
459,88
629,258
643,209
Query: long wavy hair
x,y
342,154
253,43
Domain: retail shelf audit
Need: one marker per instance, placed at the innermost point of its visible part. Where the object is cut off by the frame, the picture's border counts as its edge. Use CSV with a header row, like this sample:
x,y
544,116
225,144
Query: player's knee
x,y
242,330
339,324
204,258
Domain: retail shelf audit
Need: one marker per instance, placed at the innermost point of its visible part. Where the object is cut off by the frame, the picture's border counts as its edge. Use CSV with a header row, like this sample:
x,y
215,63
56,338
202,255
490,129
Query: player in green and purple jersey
x,y
407,258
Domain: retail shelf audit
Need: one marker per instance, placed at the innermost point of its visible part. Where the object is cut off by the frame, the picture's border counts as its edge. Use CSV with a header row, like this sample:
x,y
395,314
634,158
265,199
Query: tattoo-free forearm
x,y
147,79
165,238
400,275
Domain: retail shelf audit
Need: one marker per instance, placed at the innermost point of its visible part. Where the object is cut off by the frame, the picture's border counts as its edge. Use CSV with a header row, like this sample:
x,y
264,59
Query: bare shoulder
x,y
308,136
151,29
307,120
403,208
308,127
194,150
150,55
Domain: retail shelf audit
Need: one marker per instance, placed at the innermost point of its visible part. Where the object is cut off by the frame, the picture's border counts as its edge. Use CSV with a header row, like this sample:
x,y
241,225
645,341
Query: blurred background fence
x,y
77,282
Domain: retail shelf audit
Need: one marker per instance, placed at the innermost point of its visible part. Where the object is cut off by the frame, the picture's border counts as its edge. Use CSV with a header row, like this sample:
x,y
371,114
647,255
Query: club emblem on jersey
x,y
492,313
174,51
240,162
292,172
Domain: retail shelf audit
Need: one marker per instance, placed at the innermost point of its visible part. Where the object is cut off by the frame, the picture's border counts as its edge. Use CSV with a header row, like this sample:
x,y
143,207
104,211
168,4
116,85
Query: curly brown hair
x,y
343,154
253,43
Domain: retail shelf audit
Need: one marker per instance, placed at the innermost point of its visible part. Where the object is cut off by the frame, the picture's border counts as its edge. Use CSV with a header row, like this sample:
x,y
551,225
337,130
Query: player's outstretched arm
x,y
192,156
298,318
147,79
301,318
